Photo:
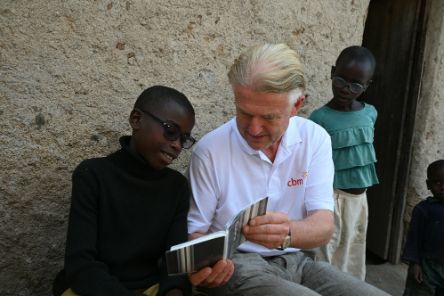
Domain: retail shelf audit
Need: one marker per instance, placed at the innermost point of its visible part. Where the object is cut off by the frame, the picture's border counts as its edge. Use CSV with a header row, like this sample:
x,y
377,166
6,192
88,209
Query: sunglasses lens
x,y
339,82
187,142
172,132
355,87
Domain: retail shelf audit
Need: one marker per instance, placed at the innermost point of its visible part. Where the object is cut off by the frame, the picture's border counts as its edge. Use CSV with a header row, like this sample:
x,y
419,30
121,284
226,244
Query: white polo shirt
x,y
226,175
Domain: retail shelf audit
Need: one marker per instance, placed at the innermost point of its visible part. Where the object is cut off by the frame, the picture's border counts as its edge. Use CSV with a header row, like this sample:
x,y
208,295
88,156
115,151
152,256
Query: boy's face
x,y
435,183
149,135
349,80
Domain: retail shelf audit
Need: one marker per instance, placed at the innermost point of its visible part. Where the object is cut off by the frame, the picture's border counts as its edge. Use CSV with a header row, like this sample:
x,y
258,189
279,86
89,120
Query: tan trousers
x,y
151,291
346,249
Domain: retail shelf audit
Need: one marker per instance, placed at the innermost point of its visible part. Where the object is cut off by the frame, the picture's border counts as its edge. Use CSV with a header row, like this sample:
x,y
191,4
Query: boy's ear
x,y
428,184
135,119
333,69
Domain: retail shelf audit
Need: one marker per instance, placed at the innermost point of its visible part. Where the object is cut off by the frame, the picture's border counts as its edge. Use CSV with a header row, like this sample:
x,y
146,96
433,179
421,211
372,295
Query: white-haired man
x,y
268,151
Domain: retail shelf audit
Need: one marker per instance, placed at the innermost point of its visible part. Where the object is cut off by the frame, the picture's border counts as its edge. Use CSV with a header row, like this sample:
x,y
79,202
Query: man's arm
x,y
202,209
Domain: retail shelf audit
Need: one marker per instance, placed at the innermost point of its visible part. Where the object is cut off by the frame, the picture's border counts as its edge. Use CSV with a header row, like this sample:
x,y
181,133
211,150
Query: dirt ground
x,y
386,276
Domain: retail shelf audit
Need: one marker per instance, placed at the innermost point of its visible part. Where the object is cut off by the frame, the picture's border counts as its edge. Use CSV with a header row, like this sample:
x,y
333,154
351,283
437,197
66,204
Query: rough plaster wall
x,y
428,144
71,70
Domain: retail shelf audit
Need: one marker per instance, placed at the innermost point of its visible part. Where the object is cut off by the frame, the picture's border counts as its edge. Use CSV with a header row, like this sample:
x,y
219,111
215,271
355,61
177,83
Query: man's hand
x,y
214,276
417,272
268,230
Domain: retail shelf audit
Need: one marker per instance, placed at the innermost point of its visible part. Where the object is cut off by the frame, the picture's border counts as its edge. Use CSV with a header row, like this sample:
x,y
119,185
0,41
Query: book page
x,y
234,226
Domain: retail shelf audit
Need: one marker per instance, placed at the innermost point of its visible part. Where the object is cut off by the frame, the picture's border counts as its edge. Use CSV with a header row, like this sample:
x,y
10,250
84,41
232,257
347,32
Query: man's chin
x,y
258,145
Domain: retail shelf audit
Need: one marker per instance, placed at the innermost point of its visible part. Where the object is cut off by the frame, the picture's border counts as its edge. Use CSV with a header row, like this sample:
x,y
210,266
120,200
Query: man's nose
x,y
254,126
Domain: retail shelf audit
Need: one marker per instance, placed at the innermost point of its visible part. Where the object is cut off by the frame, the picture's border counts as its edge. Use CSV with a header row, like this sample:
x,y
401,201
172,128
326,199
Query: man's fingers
x,y
269,218
269,241
267,229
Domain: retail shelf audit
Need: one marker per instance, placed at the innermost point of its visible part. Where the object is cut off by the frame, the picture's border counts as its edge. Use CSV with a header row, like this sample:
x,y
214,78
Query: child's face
x,y
435,183
152,138
349,80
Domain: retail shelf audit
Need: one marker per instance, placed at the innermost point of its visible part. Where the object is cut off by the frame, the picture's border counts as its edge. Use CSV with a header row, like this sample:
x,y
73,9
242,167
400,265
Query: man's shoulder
x,y
215,138
308,129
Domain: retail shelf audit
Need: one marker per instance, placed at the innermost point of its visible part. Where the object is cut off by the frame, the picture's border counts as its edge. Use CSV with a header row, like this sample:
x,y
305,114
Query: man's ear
x,y
297,105
135,119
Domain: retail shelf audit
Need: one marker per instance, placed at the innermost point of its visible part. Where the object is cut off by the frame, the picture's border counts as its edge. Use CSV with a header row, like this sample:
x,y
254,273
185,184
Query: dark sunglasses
x,y
354,87
171,131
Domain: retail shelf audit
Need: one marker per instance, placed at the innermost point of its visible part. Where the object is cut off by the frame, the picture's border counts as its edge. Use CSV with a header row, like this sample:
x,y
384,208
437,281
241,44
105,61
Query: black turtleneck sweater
x,y
124,216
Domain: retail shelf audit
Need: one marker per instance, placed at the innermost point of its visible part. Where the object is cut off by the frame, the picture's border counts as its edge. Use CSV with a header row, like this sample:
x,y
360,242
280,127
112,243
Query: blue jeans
x,y
290,274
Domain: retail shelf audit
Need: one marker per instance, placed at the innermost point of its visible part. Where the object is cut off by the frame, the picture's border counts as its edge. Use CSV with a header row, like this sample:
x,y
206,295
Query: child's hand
x,y
417,272
214,276
174,292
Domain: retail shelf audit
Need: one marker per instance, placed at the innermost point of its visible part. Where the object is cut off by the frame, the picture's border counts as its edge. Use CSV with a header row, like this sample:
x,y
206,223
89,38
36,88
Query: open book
x,y
208,249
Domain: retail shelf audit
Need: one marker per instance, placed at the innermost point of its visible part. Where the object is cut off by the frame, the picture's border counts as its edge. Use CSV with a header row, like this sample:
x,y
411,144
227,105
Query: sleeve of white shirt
x,y
319,189
204,200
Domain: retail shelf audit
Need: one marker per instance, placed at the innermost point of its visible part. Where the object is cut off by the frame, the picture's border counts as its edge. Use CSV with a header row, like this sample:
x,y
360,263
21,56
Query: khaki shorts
x,y
346,249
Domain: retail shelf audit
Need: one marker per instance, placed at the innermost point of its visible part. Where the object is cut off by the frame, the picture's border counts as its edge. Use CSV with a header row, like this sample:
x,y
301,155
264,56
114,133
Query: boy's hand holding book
x,y
214,276
204,257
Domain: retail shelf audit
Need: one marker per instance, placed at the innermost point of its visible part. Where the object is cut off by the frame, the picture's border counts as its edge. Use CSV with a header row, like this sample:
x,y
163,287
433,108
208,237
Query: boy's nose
x,y
176,144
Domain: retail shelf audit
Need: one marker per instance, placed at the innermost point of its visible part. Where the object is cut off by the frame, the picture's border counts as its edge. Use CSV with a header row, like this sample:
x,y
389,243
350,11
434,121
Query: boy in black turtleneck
x,y
128,208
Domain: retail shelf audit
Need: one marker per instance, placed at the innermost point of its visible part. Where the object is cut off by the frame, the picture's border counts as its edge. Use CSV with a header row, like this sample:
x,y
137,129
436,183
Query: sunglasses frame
x,y
186,141
348,84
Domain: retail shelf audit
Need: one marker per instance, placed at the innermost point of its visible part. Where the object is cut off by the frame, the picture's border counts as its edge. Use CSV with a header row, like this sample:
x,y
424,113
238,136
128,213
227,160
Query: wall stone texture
x,y
70,72
428,142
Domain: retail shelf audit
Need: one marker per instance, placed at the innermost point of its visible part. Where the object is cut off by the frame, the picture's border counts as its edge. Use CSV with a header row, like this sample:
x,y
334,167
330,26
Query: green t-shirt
x,y
352,142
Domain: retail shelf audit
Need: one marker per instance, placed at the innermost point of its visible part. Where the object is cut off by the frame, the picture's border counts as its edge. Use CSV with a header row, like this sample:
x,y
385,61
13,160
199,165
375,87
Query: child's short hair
x,y
159,96
434,166
356,53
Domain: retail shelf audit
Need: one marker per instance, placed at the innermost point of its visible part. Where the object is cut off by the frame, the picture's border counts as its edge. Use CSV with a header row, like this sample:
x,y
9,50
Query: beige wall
x,y
71,70
428,143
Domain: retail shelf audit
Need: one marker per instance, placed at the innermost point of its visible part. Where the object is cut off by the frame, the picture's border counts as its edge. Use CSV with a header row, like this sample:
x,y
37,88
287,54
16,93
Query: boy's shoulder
x,y
426,204
318,114
92,164
370,107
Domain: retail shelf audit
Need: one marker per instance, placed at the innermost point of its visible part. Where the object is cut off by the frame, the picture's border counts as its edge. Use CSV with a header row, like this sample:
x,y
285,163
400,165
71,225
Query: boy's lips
x,y
168,157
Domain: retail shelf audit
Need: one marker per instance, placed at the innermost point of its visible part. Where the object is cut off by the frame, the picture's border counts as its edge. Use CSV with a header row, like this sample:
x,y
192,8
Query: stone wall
x,y
70,72
428,143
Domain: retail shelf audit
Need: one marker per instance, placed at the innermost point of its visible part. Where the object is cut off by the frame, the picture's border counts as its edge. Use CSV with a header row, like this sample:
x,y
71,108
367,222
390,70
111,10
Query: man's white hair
x,y
274,68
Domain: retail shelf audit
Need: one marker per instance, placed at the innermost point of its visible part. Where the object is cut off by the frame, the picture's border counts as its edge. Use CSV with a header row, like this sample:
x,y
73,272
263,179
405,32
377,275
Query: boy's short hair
x,y
356,53
159,96
434,166
274,68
